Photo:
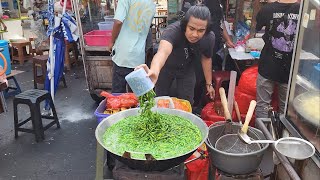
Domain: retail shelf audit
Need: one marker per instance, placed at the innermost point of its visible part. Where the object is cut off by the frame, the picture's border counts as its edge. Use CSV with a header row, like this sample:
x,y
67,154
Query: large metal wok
x,y
299,104
151,164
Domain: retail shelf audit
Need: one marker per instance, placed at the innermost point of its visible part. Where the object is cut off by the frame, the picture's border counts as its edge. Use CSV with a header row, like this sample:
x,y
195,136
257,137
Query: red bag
x,y
198,169
209,113
125,100
247,83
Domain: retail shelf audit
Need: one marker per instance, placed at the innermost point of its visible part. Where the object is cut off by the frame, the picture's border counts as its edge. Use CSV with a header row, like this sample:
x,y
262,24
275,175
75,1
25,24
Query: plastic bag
x,y
180,104
247,83
125,100
212,112
198,169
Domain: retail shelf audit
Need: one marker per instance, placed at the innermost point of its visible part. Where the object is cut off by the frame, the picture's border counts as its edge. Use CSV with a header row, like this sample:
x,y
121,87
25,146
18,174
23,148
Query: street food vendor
x,y
175,57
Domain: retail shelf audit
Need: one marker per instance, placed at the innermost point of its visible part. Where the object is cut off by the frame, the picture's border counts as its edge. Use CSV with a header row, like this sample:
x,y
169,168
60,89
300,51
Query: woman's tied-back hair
x,y
198,11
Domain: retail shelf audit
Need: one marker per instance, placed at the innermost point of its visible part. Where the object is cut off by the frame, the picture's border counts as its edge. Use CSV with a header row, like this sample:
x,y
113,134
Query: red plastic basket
x,y
98,38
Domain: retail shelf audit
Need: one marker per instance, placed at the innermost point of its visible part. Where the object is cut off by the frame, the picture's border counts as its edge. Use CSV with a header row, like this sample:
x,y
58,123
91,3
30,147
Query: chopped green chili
x,y
161,135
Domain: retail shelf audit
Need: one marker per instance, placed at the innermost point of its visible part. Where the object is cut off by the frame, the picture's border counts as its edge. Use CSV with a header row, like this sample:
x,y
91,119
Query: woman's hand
x,y
150,73
210,91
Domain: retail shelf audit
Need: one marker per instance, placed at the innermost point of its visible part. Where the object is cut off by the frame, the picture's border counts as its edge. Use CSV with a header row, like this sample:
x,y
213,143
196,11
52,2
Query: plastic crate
x,y
98,38
101,108
99,111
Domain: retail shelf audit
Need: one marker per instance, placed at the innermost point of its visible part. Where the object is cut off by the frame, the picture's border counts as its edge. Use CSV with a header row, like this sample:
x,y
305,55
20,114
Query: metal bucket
x,y
234,163
149,164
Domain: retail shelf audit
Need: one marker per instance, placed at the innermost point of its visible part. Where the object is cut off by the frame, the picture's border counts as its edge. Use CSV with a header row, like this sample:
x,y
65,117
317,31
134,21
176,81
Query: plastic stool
x,y
12,91
40,77
33,98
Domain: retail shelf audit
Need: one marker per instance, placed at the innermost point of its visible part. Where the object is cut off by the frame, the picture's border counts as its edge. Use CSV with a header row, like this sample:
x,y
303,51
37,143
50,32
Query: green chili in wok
x,y
161,135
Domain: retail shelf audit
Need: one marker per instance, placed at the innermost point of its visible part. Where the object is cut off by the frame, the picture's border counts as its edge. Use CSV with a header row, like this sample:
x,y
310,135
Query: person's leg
x,y
118,78
264,93
185,85
282,93
164,82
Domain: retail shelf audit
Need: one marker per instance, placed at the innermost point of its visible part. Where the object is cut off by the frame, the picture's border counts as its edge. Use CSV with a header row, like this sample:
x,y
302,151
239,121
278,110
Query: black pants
x,y
119,84
185,81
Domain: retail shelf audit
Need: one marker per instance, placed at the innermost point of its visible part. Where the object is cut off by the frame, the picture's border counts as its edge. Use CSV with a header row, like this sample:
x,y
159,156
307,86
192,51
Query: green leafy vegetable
x,y
161,135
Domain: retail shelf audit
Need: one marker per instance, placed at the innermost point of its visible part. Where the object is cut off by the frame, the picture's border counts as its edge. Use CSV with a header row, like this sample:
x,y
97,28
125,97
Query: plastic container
x,y
101,108
99,111
139,82
106,25
98,38
108,18
5,52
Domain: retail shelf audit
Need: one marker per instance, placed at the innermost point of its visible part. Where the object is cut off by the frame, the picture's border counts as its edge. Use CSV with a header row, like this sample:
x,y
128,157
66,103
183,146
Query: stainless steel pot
x,y
151,164
234,163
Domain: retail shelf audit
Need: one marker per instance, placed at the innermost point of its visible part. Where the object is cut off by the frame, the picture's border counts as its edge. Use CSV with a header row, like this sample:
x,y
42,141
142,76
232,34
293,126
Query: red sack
x,y
209,113
243,100
125,100
247,83
198,169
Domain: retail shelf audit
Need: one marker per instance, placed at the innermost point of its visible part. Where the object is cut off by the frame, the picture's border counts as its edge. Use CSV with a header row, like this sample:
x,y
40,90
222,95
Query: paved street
x,y
66,153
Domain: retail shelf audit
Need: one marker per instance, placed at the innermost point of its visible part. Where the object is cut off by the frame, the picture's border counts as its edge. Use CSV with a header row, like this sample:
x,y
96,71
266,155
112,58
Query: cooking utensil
x,y
232,87
225,104
292,147
236,107
307,105
234,163
300,151
232,143
249,114
139,82
249,140
226,111
150,164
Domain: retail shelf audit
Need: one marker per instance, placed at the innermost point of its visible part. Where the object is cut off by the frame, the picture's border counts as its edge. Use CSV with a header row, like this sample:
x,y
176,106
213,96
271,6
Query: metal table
x,y
242,59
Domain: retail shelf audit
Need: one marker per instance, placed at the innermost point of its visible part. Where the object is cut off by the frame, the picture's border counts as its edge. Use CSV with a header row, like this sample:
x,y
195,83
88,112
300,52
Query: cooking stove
x,y
123,172
256,175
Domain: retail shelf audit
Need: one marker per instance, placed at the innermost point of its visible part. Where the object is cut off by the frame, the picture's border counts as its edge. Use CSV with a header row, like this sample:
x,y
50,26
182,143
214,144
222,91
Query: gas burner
x,y
256,175
122,171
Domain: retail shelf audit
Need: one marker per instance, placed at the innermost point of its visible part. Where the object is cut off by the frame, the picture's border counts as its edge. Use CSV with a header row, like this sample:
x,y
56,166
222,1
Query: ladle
x,y
248,140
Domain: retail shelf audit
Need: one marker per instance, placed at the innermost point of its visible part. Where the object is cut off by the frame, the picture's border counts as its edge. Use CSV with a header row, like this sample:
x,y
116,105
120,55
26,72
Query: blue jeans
x,y
119,84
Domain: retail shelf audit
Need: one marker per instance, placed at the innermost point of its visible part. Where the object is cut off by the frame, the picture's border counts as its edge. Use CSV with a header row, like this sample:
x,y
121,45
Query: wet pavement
x,y
66,153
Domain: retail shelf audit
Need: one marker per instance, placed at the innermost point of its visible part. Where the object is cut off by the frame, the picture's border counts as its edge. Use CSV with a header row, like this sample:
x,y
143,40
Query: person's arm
x,y
120,16
158,61
115,31
207,71
226,37
4,26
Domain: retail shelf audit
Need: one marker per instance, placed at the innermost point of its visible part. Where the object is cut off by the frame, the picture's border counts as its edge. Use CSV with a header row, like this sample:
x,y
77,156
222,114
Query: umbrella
x,y
61,29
